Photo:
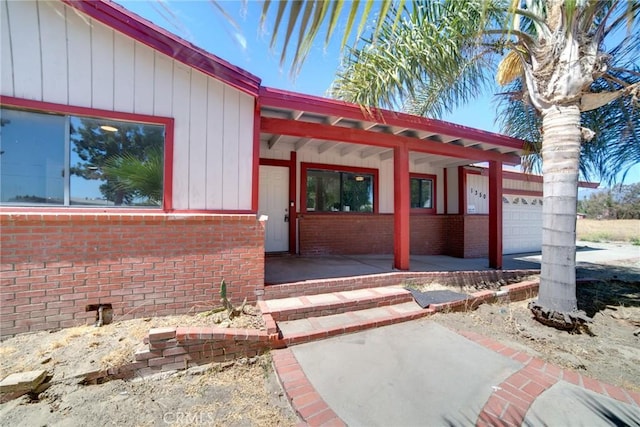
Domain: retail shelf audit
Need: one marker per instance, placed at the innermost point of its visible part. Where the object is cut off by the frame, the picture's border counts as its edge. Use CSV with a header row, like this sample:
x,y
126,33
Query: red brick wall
x,y
454,236
345,234
462,236
476,236
53,265
428,234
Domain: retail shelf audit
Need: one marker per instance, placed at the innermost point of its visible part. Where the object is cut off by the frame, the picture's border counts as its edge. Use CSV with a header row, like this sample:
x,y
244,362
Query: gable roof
x,y
138,28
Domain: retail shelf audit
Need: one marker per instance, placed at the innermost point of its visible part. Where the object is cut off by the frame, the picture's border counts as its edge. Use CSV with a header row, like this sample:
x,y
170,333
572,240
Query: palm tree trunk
x,y
560,161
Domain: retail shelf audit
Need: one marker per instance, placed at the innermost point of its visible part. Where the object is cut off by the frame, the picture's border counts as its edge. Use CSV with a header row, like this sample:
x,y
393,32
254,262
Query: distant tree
x,y
621,202
598,206
628,197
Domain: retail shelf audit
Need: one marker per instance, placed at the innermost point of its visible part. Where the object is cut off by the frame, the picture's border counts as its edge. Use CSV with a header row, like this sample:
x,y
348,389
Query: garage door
x,y
521,224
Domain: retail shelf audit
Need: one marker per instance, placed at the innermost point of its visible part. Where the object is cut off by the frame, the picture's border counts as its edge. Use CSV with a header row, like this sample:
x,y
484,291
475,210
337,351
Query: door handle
x,y
286,218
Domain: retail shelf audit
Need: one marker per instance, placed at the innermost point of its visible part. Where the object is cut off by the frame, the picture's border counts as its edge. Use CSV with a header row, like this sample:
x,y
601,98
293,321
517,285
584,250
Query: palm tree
x,y
428,56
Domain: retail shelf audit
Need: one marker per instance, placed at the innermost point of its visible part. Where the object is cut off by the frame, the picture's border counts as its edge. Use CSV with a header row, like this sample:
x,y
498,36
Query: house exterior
x,y
88,89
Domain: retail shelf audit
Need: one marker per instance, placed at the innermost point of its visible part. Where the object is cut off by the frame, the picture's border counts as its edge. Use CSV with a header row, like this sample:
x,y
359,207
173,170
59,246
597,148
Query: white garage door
x,y
521,224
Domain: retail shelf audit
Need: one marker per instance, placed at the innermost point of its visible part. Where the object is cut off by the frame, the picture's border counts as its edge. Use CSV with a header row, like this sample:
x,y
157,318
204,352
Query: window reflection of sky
x,y
83,190
32,162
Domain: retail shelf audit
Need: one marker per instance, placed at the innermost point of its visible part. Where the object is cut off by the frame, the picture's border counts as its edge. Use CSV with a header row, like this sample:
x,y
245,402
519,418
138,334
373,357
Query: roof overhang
x,y
530,177
304,120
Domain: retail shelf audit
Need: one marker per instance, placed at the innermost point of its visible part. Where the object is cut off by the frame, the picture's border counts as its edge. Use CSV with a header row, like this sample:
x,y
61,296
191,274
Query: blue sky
x,y
247,47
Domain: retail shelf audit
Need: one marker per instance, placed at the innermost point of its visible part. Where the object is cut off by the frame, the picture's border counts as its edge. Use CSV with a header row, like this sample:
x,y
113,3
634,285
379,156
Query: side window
x,y
422,192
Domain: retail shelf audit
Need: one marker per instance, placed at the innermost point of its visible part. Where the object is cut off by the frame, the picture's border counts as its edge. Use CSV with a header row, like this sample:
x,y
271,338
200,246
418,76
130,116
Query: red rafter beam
x,y
313,104
363,137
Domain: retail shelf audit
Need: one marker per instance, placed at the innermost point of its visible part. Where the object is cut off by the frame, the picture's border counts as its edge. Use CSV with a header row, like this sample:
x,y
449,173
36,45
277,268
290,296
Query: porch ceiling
x,y
302,122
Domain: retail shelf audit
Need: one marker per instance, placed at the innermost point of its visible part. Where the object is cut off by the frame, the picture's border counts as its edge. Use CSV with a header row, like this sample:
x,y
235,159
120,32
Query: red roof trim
x,y
297,101
360,136
513,192
520,176
132,25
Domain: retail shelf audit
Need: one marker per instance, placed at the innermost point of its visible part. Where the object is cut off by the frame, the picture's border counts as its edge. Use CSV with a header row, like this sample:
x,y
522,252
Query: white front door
x,y
274,202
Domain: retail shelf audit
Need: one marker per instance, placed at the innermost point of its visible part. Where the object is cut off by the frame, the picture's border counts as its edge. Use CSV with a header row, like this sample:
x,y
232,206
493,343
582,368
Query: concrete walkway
x,y
422,374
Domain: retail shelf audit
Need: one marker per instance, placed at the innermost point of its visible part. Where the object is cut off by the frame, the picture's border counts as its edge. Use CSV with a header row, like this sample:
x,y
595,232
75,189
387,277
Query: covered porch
x,y
302,135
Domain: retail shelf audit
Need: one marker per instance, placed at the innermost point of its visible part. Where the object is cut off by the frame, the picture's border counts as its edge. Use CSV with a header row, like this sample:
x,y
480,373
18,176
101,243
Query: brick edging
x,y
511,400
304,398
507,293
342,304
319,286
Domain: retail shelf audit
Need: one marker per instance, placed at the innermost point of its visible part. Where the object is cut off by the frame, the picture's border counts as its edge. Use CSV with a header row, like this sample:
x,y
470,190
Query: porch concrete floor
x,y
293,268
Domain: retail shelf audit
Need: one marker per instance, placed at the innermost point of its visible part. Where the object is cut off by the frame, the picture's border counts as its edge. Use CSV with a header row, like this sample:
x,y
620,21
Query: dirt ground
x,y
241,393
246,393
609,353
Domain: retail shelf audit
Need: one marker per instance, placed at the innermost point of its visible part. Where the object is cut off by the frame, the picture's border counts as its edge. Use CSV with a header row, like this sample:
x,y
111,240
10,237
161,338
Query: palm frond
x,y
142,177
309,16
433,53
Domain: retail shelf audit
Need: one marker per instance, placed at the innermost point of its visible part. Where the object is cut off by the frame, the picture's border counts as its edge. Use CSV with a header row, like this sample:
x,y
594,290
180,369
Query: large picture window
x,y
51,159
336,190
422,192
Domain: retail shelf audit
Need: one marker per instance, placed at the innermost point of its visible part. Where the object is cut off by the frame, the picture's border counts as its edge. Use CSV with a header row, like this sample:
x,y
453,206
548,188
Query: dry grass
x,y
247,389
619,230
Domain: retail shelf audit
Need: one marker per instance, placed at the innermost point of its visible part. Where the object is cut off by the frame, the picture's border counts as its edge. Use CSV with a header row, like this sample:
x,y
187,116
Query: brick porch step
x,y
314,317
302,307
317,328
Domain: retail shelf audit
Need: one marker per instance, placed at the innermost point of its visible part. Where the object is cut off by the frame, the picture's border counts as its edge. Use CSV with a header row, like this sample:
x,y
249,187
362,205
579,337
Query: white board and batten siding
x,y
477,194
53,53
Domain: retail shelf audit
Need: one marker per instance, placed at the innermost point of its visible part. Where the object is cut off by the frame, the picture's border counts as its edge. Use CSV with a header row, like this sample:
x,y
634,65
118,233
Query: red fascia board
x,y
518,176
296,101
584,184
360,136
138,28
275,162
521,176
513,192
